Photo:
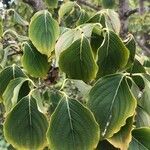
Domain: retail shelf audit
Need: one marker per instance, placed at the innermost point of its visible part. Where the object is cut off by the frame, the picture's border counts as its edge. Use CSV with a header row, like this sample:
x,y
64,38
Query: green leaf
x,y
144,102
112,20
52,3
83,17
15,91
78,62
112,55
44,40
25,127
72,127
35,63
140,139
54,99
7,74
112,103
108,3
38,96
142,118
65,9
131,45
65,41
123,137
98,18
143,111
137,67
96,39
71,35
108,19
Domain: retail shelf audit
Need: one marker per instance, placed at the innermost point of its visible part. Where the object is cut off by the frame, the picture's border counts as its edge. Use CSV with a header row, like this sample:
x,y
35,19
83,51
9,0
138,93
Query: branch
x,y
83,2
136,10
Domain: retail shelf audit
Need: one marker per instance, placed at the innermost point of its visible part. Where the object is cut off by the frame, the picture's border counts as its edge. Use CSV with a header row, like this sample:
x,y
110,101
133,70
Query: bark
x,y
123,8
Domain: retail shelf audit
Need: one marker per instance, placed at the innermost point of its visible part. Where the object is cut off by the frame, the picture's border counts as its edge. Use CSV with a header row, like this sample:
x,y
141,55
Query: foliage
x,y
68,81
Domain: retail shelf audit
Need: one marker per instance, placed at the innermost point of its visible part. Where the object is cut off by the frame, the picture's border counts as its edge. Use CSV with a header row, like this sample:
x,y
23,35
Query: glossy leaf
x,y
7,74
140,139
52,3
43,32
35,63
15,91
112,55
78,62
112,103
72,127
123,137
28,131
